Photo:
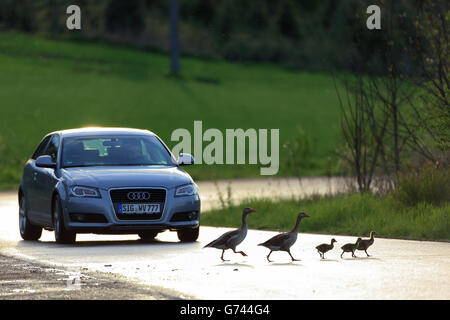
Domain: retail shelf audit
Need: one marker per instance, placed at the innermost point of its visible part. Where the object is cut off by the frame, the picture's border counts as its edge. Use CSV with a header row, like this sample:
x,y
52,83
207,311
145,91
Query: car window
x,y
52,148
115,151
40,149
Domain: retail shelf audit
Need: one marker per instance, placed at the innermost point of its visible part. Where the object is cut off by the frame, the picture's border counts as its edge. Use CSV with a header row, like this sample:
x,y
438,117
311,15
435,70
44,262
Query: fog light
x,y
193,215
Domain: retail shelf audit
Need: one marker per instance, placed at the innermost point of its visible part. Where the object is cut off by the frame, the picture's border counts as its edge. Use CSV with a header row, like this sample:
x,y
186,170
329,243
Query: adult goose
x,y
230,239
364,244
325,247
284,241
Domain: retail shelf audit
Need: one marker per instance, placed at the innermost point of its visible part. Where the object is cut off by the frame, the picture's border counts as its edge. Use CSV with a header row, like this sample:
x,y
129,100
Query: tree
x,y
430,49
174,43
363,128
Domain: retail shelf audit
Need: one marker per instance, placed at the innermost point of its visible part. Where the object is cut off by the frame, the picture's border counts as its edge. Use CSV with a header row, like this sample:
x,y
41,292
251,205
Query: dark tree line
x,y
296,33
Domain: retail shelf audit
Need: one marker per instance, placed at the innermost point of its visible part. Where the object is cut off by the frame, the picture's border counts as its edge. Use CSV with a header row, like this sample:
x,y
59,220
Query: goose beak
x,y
306,215
252,210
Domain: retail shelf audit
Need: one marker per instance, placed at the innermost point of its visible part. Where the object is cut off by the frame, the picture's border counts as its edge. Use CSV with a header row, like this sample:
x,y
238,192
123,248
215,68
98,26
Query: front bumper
x,y
97,215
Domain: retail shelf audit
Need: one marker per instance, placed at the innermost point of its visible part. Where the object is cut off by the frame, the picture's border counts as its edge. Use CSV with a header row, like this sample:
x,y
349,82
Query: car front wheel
x,y
62,235
188,235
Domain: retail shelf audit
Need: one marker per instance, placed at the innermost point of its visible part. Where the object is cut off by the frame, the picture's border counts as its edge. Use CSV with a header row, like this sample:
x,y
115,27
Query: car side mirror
x,y
45,162
185,159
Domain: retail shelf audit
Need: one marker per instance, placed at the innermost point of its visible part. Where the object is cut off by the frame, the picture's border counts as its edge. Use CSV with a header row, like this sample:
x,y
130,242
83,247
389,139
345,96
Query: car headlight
x,y
187,190
84,192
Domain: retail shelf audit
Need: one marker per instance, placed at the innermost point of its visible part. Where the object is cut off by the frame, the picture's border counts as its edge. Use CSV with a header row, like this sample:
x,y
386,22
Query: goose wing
x,y
364,244
276,241
347,246
223,239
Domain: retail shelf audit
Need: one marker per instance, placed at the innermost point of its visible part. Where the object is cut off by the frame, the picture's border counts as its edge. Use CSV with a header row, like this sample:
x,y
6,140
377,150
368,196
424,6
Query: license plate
x,y
139,208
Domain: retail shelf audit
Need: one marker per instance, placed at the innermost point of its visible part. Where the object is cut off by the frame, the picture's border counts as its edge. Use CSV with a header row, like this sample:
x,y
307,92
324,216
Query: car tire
x,y
148,235
188,235
28,231
62,235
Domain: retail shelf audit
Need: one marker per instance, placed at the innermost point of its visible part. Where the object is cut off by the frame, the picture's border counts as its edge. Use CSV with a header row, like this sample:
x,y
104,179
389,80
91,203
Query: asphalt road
x,y
22,279
396,269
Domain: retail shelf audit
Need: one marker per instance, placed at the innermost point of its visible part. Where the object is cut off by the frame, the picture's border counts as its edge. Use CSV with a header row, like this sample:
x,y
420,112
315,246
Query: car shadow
x,y
108,243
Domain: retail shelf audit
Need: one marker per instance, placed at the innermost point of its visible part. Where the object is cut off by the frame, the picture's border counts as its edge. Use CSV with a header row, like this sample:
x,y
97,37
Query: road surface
x,y
396,269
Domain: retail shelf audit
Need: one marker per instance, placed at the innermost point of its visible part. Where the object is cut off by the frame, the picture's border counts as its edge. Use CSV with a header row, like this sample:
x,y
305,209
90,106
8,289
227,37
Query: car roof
x,y
94,131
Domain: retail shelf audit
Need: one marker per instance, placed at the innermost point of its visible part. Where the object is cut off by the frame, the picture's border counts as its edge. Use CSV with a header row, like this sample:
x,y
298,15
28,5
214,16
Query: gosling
x,y
325,247
366,243
350,247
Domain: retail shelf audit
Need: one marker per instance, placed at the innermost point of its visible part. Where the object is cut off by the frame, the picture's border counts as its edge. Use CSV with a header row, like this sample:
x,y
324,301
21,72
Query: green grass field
x,y
46,85
354,214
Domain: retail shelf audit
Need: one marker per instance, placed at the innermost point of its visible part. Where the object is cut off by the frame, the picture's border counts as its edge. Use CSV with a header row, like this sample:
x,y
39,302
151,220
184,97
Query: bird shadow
x,y
233,264
329,260
370,258
286,264
361,258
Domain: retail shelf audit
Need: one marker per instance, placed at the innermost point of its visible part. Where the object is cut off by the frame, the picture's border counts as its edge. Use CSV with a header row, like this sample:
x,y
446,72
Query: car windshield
x,y
114,151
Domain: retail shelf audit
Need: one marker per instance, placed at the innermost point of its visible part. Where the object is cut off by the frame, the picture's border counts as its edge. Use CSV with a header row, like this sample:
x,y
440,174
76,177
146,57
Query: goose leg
x,y
269,256
367,253
293,259
241,252
342,254
221,257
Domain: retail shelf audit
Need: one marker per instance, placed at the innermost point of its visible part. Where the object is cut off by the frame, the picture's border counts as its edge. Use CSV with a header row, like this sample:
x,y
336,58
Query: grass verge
x,y
353,214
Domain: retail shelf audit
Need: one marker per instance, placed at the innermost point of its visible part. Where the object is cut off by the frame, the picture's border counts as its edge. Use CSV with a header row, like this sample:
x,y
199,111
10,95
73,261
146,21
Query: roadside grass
x,y
352,214
48,84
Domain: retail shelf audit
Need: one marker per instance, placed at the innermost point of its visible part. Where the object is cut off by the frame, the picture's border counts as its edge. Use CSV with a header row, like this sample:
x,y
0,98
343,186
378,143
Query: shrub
x,y
427,184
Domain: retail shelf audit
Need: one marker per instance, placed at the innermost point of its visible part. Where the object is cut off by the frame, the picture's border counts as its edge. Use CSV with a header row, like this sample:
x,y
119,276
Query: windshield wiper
x,y
117,165
142,164
81,165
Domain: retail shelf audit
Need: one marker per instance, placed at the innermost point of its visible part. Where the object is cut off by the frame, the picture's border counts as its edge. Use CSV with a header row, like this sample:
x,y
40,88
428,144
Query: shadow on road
x,y
234,264
361,259
328,260
285,264
108,243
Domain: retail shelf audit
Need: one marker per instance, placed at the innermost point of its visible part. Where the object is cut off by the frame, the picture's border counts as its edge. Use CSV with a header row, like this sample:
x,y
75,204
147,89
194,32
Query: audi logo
x,y
138,195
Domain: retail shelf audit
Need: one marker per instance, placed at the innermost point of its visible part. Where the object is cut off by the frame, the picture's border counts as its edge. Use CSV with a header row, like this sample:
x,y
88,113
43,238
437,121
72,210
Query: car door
x,y
30,181
45,182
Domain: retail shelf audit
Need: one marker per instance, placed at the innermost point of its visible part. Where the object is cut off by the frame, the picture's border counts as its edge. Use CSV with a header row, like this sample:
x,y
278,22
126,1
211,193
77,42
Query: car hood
x,y
130,176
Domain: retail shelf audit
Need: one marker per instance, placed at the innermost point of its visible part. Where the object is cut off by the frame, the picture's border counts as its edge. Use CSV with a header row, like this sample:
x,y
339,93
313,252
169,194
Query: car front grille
x,y
121,196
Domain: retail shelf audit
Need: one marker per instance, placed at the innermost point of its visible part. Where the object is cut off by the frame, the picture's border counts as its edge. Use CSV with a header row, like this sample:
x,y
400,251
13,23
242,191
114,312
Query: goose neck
x,y
244,221
297,224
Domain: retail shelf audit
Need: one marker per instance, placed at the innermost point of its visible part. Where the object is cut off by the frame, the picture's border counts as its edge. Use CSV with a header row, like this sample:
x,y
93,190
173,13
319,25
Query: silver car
x,y
107,181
